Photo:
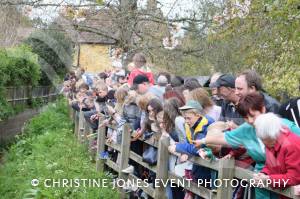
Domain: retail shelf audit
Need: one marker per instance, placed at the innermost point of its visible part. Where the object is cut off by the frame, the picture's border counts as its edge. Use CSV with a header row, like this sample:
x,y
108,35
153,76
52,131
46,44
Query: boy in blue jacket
x,y
195,128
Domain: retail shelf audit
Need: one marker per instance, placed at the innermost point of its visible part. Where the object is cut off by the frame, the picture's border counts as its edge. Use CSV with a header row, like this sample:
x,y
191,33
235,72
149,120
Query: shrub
x,y
48,150
18,66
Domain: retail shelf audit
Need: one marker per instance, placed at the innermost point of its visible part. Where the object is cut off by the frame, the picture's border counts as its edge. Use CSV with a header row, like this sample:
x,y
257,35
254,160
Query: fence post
x,y
71,113
76,120
15,95
100,146
162,172
86,133
125,148
80,126
124,155
89,137
226,171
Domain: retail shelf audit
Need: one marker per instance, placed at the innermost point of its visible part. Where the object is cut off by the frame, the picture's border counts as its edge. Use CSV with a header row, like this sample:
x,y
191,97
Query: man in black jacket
x,y
291,110
249,81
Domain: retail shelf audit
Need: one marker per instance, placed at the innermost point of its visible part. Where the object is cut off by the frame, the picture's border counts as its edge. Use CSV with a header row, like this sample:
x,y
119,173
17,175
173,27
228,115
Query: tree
x,y
265,39
18,67
12,20
54,49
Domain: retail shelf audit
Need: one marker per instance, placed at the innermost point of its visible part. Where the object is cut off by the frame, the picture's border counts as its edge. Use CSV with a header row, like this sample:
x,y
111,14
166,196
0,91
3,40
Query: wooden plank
x,y
15,96
113,145
193,187
162,166
76,121
151,141
145,187
91,143
80,127
212,165
86,130
112,165
124,148
100,147
124,155
139,160
226,171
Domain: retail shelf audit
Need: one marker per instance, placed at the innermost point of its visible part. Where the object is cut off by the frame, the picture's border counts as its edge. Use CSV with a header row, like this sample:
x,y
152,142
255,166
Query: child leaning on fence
x,y
196,128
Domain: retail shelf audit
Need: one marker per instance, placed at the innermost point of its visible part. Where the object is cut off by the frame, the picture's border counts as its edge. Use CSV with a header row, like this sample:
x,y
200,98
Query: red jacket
x,y
283,160
135,72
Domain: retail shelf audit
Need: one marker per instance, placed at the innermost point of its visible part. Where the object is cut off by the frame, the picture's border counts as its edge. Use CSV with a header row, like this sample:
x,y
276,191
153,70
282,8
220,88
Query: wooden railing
x,y
226,167
19,95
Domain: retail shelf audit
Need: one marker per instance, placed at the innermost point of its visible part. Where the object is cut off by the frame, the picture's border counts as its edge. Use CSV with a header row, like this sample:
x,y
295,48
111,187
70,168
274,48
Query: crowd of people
x,y
232,118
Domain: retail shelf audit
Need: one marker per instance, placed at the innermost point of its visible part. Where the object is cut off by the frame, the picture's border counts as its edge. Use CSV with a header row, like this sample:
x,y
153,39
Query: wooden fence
x,y
226,167
20,95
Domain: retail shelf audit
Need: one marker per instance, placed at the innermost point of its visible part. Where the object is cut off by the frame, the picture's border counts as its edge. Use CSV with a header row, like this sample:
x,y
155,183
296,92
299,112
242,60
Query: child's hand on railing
x,y
183,158
228,156
94,117
198,143
172,149
202,153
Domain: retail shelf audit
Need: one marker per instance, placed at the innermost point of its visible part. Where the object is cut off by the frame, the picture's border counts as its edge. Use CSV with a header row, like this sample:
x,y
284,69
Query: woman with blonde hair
x,y
120,96
209,107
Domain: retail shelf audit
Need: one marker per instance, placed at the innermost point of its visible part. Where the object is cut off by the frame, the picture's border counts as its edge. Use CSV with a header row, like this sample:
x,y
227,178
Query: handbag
x,y
150,156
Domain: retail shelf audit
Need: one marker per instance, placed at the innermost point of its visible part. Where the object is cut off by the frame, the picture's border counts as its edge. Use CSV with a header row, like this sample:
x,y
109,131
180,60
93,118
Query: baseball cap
x,y
192,104
226,80
139,79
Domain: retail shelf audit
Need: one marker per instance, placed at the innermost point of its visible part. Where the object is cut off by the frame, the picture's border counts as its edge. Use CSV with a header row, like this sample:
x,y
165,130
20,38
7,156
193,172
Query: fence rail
x,y
225,167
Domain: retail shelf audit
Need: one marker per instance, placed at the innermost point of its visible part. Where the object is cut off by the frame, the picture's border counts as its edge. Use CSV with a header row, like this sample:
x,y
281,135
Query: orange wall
x,y
94,57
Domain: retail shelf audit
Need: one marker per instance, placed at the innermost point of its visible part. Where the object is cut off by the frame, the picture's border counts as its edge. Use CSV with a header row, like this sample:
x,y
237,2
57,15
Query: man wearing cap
x,y
142,85
195,128
226,89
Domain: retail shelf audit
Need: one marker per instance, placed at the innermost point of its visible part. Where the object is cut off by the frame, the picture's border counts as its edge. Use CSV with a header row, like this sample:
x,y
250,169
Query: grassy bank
x,y
48,150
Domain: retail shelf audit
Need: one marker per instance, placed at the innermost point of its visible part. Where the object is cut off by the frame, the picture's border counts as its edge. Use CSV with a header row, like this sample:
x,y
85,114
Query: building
x,y
94,39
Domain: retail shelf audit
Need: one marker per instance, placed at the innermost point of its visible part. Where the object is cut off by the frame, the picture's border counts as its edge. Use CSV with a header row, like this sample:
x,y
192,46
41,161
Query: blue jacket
x,y
198,131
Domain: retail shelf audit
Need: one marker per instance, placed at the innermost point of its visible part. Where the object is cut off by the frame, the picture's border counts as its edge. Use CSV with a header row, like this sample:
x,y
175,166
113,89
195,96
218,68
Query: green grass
x,y
48,150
